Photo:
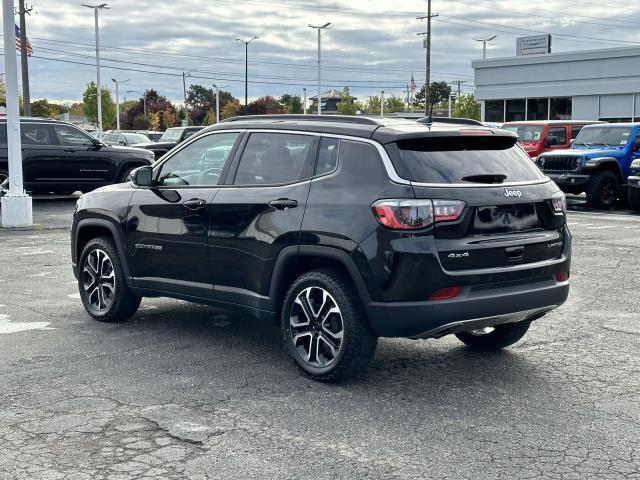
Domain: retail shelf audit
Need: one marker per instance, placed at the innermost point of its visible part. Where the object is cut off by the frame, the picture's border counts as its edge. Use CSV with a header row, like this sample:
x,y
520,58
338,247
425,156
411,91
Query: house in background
x,y
329,104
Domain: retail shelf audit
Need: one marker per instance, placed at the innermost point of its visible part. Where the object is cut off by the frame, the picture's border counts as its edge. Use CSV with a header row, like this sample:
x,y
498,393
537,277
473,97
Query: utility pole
x,y
427,46
304,105
246,67
117,82
382,104
24,58
184,89
16,205
320,28
98,86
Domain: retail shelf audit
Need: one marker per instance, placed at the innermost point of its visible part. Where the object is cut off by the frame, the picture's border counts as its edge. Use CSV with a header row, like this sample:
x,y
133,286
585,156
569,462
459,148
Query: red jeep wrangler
x,y
539,136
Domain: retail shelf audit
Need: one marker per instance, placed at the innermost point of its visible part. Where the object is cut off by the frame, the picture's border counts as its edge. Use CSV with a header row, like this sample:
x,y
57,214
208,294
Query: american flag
x,y
412,85
19,39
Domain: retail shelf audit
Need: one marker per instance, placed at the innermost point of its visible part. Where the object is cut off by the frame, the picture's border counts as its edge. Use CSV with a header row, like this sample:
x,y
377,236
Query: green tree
x,y
292,103
77,109
394,104
467,107
346,105
90,99
200,100
44,109
3,93
436,93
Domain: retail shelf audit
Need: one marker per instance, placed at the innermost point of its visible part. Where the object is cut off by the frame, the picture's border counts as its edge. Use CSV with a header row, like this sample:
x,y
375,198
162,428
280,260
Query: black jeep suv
x,y
60,157
342,229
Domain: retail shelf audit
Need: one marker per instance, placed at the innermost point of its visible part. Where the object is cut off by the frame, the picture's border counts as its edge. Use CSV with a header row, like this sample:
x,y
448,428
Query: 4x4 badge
x,y
512,193
458,255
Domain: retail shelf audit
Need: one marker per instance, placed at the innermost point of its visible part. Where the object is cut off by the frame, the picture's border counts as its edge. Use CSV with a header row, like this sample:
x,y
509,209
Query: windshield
x,y
462,160
134,138
608,136
171,134
526,133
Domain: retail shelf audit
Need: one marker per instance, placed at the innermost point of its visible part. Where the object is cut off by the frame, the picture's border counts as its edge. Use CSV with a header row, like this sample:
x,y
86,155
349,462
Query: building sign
x,y
533,45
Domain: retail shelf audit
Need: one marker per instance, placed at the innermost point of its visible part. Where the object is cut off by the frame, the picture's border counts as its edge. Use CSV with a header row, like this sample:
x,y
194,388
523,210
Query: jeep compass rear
x,y
340,229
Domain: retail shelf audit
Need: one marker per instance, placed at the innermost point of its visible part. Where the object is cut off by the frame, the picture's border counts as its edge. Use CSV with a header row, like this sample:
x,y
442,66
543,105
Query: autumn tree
x,y
43,108
156,103
262,106
168,119
200,100
231,109
90,99
154,121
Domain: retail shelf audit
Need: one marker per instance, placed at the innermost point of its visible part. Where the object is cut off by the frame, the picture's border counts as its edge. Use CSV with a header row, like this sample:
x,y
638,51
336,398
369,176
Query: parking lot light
x,y
97,30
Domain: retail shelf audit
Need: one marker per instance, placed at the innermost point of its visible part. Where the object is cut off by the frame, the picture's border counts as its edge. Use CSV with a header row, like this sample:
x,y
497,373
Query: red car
x,y
539,136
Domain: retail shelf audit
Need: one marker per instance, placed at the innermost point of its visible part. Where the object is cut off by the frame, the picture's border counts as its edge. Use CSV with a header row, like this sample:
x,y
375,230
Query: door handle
x,y
195,204
283,203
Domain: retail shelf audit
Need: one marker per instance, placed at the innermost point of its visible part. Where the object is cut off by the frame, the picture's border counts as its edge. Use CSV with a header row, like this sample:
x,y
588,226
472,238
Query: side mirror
x,y
636,145
97,143
142,176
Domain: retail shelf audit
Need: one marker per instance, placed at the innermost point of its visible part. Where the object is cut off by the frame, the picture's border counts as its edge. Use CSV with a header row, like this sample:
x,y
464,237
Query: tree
x,y
77,109
140,122
262,106
168,119
3,93
200,100
156,103
292,103
90,99
394,104
467,107
231,109
346,106
43,108
436,93
154,121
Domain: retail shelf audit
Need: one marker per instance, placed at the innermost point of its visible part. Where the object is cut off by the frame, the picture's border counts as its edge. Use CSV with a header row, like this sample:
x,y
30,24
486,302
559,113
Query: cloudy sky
x,y
370,46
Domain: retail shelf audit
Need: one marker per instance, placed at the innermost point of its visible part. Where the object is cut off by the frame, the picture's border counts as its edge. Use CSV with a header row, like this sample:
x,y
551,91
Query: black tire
x,y
119,303
634,198
502,336
358,342
603,190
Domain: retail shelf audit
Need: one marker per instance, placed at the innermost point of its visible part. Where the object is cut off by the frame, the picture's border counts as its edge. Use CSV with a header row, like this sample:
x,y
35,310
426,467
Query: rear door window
x,y
35,134
461,160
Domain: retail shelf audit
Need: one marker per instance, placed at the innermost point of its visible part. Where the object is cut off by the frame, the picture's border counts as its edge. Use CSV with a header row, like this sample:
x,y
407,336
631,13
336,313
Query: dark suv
x,y
342,229
60,157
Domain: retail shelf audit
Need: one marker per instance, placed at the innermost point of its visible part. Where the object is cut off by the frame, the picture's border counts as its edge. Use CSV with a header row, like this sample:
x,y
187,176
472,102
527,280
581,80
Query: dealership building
x,y
586,85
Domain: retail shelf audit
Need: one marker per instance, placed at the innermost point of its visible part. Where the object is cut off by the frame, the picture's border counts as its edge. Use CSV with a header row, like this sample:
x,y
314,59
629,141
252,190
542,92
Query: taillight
x,y
416,214
559,202
562,276
445,293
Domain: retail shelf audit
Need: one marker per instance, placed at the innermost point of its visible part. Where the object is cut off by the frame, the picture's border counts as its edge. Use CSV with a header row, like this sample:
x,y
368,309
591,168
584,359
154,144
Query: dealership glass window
x,y
560,108
537,108
494,111
616,120
515,110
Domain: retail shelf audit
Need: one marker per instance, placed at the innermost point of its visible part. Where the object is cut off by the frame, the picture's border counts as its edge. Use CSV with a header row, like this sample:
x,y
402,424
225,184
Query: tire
x,y
500,337
347,330
634,198
603,190
110,300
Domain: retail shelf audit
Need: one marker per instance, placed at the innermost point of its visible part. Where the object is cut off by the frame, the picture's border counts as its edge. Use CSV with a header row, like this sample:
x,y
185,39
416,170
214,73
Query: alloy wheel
x,y
316,327
99,280
4,184
608,191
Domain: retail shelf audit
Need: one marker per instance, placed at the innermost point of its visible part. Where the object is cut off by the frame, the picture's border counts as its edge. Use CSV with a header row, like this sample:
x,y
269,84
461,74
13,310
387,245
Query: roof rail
x,y
461,121
306,118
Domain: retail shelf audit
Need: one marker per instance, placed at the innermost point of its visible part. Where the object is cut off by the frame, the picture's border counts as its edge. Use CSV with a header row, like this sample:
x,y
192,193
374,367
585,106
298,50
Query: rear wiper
x,y
486,178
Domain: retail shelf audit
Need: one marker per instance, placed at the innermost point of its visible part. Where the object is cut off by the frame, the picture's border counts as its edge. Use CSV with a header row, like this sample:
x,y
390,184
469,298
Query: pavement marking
x,y
601,227
7,326
615,216
43,274
74,295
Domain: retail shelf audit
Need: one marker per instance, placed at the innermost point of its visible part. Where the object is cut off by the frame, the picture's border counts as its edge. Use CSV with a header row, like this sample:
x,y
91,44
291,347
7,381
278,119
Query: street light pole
x,y
246,66
484,44
184,88
304,105
98,88
118,102
16,205
144,100
320,28
218,101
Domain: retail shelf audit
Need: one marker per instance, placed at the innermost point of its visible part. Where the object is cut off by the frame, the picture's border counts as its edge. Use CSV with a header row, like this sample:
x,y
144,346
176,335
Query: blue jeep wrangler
x,y
598,163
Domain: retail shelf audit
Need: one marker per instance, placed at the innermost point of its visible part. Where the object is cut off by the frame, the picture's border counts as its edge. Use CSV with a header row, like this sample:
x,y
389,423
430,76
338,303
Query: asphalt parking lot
x,y
185,391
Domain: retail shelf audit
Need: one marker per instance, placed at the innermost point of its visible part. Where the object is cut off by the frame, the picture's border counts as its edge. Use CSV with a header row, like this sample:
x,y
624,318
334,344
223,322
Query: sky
x,y
370,46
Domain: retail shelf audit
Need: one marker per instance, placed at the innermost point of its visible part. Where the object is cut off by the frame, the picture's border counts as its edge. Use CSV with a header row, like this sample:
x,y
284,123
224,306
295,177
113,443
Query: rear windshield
x,y
526,133
462,160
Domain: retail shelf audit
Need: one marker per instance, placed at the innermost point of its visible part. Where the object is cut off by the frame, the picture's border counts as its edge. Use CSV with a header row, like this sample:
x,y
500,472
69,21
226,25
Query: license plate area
x,y
515,217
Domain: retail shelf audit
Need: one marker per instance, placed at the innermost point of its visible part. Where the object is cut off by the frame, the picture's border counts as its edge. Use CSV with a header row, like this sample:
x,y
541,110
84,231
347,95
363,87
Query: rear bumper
x,y
568,179
471,309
